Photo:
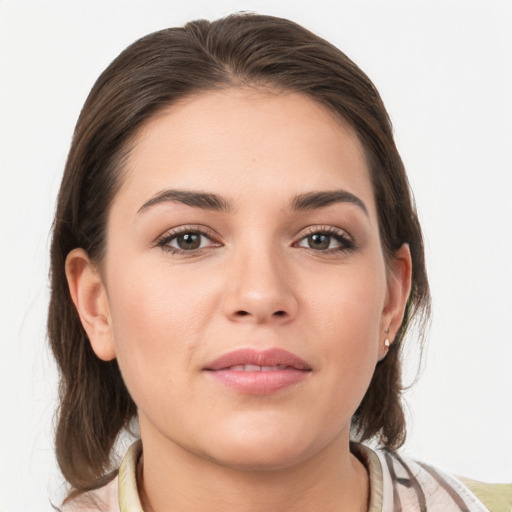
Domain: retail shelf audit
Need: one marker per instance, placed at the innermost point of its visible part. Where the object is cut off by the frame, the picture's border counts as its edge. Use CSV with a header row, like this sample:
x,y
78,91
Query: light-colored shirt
x,y
396,485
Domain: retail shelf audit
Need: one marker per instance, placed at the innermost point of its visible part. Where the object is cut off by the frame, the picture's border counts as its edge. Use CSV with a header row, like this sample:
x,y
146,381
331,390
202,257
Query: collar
x,y
129,500
373,466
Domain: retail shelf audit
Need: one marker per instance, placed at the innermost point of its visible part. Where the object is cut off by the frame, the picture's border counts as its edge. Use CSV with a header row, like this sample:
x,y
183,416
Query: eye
x,y
186,240
327,240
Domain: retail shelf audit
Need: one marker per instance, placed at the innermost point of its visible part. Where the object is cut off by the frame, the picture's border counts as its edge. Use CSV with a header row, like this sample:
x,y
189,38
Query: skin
x,y
254,282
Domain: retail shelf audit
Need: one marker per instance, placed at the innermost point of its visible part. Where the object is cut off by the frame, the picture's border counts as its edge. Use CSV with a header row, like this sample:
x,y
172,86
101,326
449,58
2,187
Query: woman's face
x,y
246,293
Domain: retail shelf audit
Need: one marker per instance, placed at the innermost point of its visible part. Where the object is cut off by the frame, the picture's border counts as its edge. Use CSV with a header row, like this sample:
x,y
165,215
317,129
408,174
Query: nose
x,y
259,289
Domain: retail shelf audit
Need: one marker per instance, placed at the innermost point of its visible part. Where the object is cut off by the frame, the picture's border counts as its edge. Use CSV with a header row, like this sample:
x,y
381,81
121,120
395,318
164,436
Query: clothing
x,y
396,485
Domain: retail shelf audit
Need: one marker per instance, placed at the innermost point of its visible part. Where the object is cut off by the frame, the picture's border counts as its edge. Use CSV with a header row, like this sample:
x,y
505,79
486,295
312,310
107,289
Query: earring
x,y
387,343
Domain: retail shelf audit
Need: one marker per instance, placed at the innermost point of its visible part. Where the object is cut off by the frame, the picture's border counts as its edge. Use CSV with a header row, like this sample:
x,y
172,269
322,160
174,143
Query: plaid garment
x,y
397,484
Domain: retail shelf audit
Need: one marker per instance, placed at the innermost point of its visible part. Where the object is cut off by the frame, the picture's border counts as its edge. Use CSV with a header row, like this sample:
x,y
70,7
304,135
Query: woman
x,y
236,260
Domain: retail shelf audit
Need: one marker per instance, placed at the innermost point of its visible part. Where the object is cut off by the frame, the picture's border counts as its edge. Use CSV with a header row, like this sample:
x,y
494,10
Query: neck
x,y
176,479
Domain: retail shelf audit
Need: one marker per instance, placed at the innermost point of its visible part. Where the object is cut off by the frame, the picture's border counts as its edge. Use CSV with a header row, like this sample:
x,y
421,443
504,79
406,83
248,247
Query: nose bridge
x,y
259,285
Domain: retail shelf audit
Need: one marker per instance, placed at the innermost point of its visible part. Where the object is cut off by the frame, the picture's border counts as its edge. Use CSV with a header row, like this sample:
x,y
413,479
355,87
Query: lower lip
x,y
261,382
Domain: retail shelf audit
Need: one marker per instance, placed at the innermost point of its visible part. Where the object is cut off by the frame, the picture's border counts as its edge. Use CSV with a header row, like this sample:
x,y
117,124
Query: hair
x,y
241,50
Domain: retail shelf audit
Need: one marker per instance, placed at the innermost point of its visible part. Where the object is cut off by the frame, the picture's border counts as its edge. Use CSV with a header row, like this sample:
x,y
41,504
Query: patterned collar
x,y
129,500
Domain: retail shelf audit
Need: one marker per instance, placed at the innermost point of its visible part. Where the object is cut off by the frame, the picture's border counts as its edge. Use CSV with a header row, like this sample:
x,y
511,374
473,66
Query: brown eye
x,y
188,241
322,242
327,241
319,241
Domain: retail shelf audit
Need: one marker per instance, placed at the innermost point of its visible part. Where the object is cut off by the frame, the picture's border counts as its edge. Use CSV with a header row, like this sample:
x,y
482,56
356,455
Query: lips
x,y
273,357
256,372
256,368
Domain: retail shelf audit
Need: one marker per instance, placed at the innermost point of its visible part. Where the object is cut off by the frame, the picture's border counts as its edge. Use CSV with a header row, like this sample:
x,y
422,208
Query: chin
x,y
260,452
258,460
265,441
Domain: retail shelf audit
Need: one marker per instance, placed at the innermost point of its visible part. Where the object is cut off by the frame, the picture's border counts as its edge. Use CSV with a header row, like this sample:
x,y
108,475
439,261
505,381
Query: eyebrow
x,y
203,200
209,201
313,200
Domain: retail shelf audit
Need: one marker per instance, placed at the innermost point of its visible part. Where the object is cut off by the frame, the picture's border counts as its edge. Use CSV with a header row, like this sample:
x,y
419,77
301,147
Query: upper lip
x,y
268,357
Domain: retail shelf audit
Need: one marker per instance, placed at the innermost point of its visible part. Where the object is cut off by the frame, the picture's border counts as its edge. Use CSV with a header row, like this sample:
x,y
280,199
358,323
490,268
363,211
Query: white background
x,y
445,72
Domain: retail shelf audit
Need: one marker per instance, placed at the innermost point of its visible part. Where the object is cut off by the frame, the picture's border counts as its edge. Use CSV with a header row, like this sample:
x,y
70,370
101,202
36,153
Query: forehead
x,y
245,141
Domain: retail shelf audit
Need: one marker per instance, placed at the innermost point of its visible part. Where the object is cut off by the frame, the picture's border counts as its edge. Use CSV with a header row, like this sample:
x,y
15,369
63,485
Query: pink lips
x,y
258,372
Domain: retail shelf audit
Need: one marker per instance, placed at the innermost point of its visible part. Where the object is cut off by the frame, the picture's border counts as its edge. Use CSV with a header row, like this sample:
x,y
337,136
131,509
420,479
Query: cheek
x,y
156,301
349,303
347,319
157,319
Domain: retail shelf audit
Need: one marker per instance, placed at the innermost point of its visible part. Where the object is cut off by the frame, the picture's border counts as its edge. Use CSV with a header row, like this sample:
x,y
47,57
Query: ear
x,y
91,301
399,288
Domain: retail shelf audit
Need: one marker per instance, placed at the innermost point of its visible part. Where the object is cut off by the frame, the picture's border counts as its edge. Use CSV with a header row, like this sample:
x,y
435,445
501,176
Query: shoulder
x,y
119,493
496,497
104,499
410,485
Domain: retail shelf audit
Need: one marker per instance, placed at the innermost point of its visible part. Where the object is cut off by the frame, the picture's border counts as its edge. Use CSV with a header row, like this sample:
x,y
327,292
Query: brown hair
x,y
153,73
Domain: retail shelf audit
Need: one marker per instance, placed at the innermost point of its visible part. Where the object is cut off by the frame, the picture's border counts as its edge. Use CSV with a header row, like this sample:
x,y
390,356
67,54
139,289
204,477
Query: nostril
x,y
242,313
280,313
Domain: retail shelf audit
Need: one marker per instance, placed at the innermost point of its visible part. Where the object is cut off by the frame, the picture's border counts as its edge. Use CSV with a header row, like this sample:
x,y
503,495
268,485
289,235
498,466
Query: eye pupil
x,y
189,241
319,241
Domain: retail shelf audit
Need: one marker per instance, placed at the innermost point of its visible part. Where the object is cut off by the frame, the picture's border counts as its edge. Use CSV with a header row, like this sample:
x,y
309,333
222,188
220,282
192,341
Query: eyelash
x,y
164,241
346,242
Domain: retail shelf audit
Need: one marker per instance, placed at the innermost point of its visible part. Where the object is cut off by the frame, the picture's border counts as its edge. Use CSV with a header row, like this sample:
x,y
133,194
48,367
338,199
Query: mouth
x,y
255,368
248,359
254,372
